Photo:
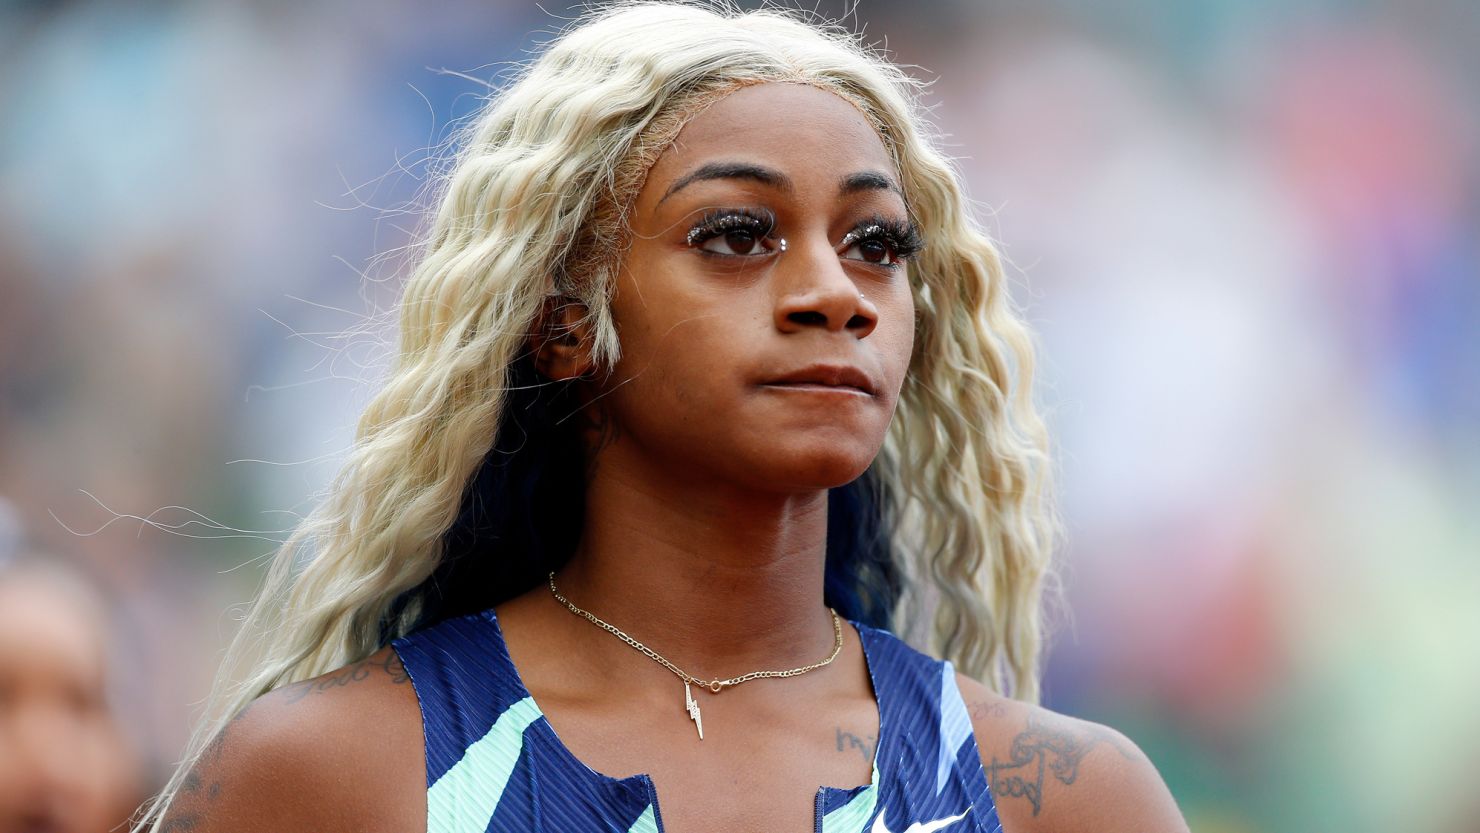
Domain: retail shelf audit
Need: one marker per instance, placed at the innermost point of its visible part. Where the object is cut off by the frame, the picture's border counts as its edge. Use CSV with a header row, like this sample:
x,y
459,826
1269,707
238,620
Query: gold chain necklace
x,y
715,686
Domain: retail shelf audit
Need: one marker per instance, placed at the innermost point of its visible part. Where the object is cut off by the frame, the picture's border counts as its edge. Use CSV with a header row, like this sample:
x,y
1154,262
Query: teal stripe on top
x,y
464,798
854,816
646,823
955,726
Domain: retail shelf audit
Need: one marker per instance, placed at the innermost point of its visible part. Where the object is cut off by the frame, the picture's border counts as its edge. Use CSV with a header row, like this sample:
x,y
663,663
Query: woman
x,y
702,359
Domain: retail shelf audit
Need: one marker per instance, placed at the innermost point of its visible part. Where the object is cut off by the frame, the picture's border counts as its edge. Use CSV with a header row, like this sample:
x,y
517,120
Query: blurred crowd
x,y
1247,234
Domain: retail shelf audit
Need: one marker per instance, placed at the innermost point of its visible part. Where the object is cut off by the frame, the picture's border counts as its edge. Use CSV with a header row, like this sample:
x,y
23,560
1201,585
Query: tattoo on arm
x,y
848,740
1043,749
987,708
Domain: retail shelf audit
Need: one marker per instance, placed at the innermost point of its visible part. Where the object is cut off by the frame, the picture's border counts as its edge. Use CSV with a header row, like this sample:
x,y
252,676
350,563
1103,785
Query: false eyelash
x,y
724,220
902,236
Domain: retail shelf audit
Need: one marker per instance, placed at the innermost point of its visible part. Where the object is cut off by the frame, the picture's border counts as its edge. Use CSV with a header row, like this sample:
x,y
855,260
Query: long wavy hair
x,y
464,484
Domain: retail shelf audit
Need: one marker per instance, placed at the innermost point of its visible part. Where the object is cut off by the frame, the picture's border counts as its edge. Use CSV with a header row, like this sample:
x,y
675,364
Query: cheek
x,y
669,341
682,363
669,319
895,339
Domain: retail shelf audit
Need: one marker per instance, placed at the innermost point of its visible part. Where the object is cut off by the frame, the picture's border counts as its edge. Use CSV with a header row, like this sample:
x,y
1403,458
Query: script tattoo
x,y
388,663
987,708
848,740
1043,749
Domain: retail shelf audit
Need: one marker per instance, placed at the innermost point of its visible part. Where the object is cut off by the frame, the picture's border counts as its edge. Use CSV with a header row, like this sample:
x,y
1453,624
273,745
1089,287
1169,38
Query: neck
x,y
718,580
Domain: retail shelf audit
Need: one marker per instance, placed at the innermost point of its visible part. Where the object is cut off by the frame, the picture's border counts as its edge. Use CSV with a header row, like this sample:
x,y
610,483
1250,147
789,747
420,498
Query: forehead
x,y
47,629
797,128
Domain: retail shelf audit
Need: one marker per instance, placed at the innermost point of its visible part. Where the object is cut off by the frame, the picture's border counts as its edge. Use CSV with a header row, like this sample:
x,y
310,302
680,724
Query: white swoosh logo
x,y
919,826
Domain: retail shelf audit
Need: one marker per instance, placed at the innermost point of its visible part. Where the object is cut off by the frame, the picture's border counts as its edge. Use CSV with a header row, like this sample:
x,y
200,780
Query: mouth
x,y
827,379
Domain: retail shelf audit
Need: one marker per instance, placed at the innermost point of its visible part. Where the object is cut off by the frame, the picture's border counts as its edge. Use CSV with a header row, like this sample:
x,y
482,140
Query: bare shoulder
x,y
1051,772
342,751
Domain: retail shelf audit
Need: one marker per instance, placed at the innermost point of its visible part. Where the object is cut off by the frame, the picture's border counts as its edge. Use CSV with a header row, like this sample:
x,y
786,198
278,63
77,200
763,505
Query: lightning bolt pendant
x,y
693,709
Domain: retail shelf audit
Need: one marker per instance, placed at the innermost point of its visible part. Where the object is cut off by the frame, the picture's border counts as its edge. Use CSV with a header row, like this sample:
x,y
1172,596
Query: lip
x,y
826,378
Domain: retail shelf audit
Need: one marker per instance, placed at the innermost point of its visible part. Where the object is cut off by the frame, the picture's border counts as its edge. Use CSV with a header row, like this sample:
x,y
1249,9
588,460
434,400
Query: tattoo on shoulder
x,y
1042,749
199,787
388,665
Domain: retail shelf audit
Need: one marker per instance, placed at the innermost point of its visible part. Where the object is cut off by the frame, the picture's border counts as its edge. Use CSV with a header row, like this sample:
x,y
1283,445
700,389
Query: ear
x,y
561,342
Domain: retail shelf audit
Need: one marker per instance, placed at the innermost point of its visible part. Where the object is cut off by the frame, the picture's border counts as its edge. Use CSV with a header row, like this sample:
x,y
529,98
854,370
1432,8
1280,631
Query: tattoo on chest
x,y
848,740
1041,750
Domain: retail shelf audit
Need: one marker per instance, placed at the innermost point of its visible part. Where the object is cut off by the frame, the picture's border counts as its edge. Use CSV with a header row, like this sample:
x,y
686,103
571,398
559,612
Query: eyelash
x,y
718,222
903,238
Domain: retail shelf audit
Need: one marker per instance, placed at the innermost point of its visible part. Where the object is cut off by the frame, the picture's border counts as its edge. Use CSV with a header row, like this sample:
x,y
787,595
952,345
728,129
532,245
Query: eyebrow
x,y
850,184
868,181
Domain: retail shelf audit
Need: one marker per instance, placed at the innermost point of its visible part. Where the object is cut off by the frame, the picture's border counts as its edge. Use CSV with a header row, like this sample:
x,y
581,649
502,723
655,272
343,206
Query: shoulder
x,y
1051,772
340,751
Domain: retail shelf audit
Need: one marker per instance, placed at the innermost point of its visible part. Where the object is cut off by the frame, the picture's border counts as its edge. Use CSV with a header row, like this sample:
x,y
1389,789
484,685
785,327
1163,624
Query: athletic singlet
x,y
494,763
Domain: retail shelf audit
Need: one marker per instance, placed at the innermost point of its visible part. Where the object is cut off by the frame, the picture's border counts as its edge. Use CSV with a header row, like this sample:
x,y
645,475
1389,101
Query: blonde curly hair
x,y
532,209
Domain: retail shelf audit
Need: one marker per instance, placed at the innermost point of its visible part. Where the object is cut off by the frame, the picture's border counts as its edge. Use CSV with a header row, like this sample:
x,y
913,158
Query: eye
x,y
881,242
873,250
734,242
734,233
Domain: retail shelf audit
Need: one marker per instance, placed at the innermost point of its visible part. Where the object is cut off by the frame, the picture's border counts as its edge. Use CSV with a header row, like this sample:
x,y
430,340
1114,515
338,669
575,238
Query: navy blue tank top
x,y
494,764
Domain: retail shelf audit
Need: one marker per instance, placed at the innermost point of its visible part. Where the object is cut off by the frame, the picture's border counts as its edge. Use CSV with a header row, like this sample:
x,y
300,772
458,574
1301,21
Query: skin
x,y
704,535
64,765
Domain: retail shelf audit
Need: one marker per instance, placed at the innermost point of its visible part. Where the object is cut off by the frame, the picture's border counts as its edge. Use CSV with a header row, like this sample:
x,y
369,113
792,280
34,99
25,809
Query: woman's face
x,y
772,365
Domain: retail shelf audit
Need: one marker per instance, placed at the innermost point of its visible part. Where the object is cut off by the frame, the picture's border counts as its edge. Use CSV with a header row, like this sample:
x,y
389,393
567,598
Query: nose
x,y
814,290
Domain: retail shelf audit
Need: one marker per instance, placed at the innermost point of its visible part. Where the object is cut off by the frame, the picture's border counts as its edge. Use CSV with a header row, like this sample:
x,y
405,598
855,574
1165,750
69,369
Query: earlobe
x,y
561,342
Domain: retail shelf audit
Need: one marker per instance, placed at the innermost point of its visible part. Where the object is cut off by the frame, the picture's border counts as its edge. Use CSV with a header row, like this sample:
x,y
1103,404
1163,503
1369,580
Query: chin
x,y
814,471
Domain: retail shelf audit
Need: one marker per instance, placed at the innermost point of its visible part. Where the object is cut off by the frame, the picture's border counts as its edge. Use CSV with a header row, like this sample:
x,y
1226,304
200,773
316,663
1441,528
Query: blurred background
x,y
1244,230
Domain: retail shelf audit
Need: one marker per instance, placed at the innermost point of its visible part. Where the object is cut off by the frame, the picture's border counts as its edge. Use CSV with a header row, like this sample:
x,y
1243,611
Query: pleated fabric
x,y
494,764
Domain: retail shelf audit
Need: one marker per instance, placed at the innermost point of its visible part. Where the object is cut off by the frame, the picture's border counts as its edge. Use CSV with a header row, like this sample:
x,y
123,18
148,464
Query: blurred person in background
x,y
65,766
702,233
